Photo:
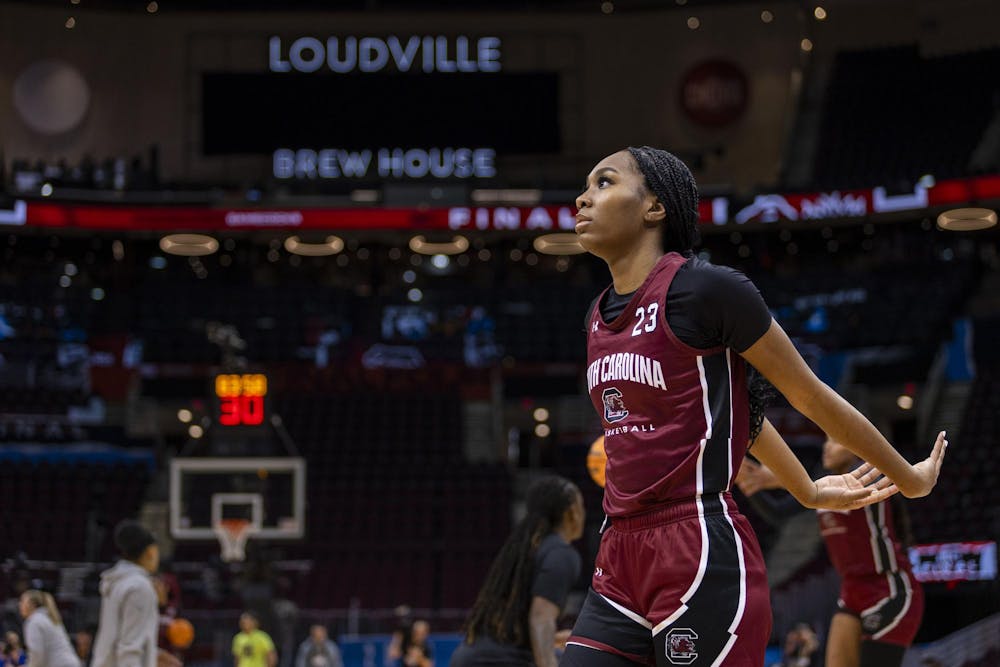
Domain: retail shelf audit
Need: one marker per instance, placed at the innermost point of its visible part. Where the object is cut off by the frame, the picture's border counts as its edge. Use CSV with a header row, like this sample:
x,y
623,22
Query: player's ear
x,y
654,214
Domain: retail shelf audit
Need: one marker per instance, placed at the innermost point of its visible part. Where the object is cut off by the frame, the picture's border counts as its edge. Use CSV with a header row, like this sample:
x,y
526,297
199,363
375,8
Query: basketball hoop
x,y
233,535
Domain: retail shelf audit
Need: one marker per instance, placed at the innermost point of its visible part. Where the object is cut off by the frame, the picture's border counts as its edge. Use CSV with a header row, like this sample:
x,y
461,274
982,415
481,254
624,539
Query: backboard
x,y
270,493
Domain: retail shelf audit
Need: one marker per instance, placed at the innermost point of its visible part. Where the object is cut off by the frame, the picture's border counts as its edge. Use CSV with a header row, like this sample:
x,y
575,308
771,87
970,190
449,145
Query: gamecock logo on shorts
x,y
680,646
872,622
614,406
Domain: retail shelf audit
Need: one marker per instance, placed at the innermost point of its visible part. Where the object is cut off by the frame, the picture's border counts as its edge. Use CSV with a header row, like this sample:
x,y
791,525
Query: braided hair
x,y
674,186
761,393
501,609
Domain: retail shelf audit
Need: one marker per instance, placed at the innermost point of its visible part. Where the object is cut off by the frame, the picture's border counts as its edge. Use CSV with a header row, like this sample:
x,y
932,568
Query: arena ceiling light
x,y
188,245
331,246
457,245
967,219
564,243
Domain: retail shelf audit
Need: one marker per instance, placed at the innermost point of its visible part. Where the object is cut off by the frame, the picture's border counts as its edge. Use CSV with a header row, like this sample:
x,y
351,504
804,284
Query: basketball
x,y
597,459
180,633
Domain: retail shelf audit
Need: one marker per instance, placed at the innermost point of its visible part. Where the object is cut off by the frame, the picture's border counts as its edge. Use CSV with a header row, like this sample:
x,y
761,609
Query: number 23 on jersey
x,y
646,319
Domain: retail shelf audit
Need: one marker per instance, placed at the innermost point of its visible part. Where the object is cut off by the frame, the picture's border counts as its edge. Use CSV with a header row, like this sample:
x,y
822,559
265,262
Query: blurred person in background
x,y
44,634
513,621
252,647
83,642
13,651
318,650
411,647
130,619
801,647
881,603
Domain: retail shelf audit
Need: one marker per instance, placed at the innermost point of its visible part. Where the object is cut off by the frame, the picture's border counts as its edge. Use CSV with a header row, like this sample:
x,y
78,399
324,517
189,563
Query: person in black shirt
x,y
513,622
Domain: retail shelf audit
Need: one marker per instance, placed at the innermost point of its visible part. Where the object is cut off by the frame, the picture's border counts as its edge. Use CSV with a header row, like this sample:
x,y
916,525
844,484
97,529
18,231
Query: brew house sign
x,y
428,54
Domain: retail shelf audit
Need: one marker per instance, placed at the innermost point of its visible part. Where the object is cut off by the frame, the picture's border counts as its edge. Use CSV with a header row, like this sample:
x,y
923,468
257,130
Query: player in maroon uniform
x,y
881,603
679,579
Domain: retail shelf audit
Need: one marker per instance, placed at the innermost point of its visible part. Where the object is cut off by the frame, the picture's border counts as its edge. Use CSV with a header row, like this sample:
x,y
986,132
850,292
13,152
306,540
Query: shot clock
x,y
241,399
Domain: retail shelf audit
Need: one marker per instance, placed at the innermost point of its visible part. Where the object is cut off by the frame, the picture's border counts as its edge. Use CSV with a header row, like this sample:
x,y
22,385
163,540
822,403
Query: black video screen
x,y
258,113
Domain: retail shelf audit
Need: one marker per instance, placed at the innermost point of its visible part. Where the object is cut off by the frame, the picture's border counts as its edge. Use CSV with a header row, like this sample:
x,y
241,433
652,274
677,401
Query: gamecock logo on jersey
x,y
680,646
614,406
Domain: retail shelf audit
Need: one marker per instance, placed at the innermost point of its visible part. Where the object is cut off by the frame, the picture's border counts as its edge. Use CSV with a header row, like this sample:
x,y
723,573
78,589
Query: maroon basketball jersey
x,y
676,418
862,542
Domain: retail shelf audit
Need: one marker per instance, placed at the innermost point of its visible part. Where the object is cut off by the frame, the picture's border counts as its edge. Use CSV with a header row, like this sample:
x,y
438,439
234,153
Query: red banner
x,y
765,208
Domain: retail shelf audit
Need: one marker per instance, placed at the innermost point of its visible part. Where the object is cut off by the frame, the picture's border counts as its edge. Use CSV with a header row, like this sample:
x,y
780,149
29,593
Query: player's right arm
x,y
777,359
781,468
542,619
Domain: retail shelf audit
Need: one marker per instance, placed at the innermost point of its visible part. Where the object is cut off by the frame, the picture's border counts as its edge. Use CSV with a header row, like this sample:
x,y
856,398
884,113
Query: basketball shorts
x,y
684,584
889,605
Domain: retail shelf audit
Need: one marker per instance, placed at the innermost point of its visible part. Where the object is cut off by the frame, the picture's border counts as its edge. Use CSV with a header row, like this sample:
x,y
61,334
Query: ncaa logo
x,y
614,406
680,646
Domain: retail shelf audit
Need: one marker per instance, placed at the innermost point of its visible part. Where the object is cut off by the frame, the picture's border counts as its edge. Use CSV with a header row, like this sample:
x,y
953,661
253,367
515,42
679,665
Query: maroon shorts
x,y
889,605
682,585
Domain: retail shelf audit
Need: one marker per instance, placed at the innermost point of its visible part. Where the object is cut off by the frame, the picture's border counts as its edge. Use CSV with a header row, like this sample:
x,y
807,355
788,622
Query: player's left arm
x,y
777,359
731,310
863,486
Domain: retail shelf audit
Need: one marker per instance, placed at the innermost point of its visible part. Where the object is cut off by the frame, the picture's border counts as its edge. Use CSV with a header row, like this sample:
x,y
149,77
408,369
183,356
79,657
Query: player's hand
x,y
927,471
561,637
164,659
865,485
754,477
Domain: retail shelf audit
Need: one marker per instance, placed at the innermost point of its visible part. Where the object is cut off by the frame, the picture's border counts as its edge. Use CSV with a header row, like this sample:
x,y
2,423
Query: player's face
x,y
152,557
24,606
247,624
421,629
576,517
836,457
613,210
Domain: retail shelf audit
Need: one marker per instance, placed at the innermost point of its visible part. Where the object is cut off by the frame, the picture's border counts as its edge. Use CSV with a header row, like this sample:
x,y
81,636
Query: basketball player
x,y
679,577
881,603
126,636
513,622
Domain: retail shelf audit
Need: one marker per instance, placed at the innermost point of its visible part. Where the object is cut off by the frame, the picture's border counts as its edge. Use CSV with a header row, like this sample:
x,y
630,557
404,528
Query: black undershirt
x,y
707,306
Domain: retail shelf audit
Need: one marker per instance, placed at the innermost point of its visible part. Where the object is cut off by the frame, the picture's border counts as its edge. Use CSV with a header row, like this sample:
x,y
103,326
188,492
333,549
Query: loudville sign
x,y
420,53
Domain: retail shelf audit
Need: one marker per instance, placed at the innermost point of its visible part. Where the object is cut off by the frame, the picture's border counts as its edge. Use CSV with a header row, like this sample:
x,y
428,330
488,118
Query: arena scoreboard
x,y
241,399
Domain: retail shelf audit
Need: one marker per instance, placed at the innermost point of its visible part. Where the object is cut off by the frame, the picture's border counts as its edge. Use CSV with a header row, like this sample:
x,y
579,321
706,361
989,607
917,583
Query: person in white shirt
x,y
44,635
130,618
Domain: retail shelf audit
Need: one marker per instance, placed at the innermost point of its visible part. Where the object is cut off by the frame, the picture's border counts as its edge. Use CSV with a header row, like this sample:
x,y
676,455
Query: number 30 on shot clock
x,y
241,398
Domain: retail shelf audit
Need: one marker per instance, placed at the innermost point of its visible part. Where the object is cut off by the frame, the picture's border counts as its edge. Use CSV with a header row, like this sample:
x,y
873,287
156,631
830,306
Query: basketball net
x,y
233,535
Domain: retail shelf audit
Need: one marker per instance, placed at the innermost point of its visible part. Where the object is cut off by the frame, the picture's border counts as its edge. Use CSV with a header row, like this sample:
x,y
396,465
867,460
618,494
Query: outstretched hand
x,y
927,471
865,485
754,477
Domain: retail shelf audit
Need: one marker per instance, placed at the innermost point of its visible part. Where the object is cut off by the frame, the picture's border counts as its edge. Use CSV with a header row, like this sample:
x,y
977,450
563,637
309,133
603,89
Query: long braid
x,y
761,393
671,181
501,609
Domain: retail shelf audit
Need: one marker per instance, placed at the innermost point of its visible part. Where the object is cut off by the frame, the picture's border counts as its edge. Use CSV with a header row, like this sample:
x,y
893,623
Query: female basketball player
x,y
881,603
679,577
513,622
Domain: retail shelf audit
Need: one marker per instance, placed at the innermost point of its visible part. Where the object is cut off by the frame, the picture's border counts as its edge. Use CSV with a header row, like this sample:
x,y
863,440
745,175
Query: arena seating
x,y
69,504
861,143
966,506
